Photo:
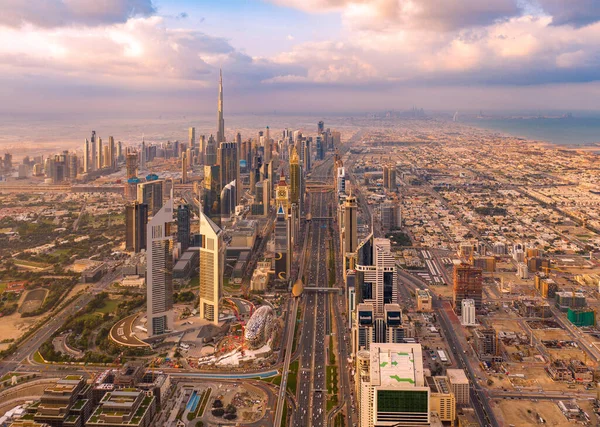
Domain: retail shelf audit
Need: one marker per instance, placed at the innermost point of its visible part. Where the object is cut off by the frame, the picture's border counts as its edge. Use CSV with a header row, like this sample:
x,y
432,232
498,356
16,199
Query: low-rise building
x,y
124,408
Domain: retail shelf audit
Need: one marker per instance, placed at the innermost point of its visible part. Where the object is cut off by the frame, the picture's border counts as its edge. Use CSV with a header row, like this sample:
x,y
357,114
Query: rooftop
x,y
396,365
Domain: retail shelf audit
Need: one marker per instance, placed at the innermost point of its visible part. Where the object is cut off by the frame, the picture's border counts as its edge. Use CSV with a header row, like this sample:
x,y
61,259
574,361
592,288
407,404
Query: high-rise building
x,y
468,284
228,199
350,230
320,127
183,226
143,155
100,154
86,157
159,271
220,120
112,163
459,384
119,151
370,328
210,155
151,193
184,167
131,165
295,176
136,221
192,137
391,386
283,255
93,148
389,177
228,162
376,275
211,194
306,159
212,262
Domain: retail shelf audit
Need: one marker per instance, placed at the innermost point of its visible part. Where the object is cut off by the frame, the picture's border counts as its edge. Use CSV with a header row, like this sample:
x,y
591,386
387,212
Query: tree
x,y
231,409
217,404
218,412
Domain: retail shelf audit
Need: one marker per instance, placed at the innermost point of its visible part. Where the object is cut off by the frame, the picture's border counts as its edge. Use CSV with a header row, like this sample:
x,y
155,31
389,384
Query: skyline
x,y
282,55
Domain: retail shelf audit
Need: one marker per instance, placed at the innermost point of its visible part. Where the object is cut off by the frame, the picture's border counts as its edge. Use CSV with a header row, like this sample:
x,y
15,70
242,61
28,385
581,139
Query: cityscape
x,y
389,267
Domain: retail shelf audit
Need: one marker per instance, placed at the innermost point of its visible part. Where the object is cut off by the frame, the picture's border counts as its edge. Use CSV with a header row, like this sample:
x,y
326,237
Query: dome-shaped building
x,y
259,327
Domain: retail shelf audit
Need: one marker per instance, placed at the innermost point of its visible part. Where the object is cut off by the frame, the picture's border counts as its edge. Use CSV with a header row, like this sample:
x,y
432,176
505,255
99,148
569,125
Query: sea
x,y
566,131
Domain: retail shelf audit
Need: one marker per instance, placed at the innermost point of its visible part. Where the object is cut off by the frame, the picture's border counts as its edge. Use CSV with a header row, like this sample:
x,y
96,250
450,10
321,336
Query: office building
x,y
227,159
211,194
136,221
320,127
184,167
99,154
192,137
283,252
159,271
127,407
151,193
441,398
183,226
369,328
391,390
389,177
376,275
350,232
220,120
210,154
468,284
424,300
468,317
459,383
93,148
86,157
212,263
228,199
67,403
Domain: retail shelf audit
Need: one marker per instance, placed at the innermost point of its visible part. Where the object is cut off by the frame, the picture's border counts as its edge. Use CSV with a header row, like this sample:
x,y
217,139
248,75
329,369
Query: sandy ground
x,y
522,413
14,326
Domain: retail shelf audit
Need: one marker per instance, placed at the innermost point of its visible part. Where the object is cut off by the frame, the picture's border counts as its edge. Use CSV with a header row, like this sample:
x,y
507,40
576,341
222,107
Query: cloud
x,y
60,13
433,15
577,13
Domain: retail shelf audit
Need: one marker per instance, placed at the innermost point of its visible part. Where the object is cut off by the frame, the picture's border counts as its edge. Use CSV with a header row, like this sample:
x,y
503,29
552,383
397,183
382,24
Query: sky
x,y
297,56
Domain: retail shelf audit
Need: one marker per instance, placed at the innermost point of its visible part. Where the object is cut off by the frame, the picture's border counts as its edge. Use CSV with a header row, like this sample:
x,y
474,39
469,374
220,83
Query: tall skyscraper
x,y
131,165
159,271
228,162
283,254
210,156
184,167
136,221
370,328
143,154
100,154
212,263
468,284
86,156
183,226
192,138
93,148
151,193
112,163
320,127
389,177
376,275
220,120
211,193
295,177
119,151
350,231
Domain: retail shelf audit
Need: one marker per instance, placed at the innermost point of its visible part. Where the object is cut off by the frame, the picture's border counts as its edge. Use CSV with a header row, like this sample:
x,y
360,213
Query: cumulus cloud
x,y
60,13
578,13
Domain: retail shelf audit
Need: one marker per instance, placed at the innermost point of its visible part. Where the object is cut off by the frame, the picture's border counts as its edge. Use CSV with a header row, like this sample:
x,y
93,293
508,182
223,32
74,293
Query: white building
x,y
159,271
468,313
522,271
391,386
212,263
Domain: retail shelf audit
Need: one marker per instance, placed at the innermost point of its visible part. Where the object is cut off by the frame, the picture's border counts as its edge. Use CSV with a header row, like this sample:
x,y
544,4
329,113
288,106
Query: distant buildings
x,y
212,264
159,271
468,284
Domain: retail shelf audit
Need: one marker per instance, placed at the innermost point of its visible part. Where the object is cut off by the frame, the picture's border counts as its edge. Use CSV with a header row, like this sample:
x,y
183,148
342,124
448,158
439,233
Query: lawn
x,y
110,306
293,376
296,329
